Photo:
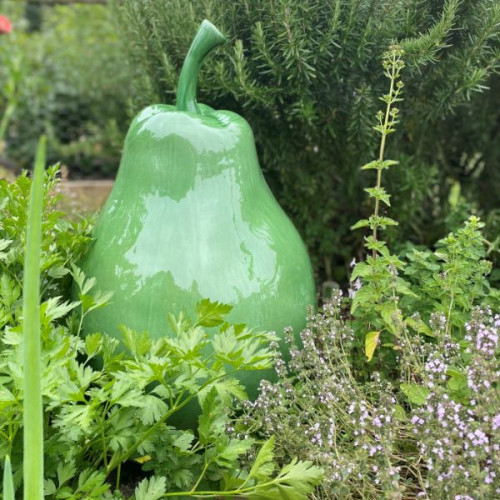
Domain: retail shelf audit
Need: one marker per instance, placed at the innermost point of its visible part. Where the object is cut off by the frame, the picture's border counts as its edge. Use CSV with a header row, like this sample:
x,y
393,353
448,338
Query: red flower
x,y
5,25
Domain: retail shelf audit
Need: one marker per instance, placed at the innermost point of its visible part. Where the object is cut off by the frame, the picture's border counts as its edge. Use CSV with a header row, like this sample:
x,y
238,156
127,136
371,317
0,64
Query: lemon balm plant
x,y
375,303
395,295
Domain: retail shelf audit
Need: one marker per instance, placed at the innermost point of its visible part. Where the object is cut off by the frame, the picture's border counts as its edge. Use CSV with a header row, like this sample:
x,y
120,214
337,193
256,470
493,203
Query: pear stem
x,y
207,38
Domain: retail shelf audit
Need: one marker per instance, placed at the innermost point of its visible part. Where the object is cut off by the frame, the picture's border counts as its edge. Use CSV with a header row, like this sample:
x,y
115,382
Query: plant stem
x,y
9,111
118,474
193,489
33,407
382,149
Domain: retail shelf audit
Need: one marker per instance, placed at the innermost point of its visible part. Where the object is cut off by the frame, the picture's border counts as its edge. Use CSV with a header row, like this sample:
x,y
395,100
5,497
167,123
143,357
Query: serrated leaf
x,y
365,295
137,343
54,309
151,489
93,344
152,409
65,472
296,481
361,269
371,342
212,419
419,326
49,487
263,466
57,272
361,223
92,483
184,441
211,314
372,165
228,453
404,289
387,221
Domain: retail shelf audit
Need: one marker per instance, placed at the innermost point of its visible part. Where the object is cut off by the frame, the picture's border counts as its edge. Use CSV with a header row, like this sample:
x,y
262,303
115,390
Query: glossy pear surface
x,y
190,217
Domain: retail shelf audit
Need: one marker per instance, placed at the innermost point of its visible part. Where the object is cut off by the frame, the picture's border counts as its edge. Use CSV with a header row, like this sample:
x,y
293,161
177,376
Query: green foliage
x,y
399,398
71,84
428,428
31,392
106,403
64,243
305,76
448,282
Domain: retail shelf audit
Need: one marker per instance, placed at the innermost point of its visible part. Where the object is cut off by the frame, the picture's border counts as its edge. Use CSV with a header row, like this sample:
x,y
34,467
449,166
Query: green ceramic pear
x,y
190,216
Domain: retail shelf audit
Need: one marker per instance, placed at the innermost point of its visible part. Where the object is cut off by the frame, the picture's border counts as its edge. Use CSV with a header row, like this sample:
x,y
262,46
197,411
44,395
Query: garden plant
x,y
306,77
393,388
395,392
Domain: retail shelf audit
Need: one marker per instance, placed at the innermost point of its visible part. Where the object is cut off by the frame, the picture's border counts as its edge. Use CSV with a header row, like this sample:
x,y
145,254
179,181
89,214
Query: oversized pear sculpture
x,y
191,217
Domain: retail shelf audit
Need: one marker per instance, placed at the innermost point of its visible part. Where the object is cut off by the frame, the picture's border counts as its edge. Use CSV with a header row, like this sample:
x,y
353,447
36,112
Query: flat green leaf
x,y
65,471
54,309
137,343
419,326
228,453
8,481
371,342
415,393
296,481
33,406
399,413
360,224
211,313
4,244
184,441
457,381
263,465
92,484
391,315
212,420
361,269
93,344
364,296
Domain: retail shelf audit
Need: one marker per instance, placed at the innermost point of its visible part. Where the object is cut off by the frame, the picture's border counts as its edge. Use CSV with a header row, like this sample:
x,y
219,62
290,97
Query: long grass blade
x,y
8,481
33,409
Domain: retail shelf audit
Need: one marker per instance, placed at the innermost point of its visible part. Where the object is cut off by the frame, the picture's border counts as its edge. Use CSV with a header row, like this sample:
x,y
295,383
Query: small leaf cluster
x,y
64,241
